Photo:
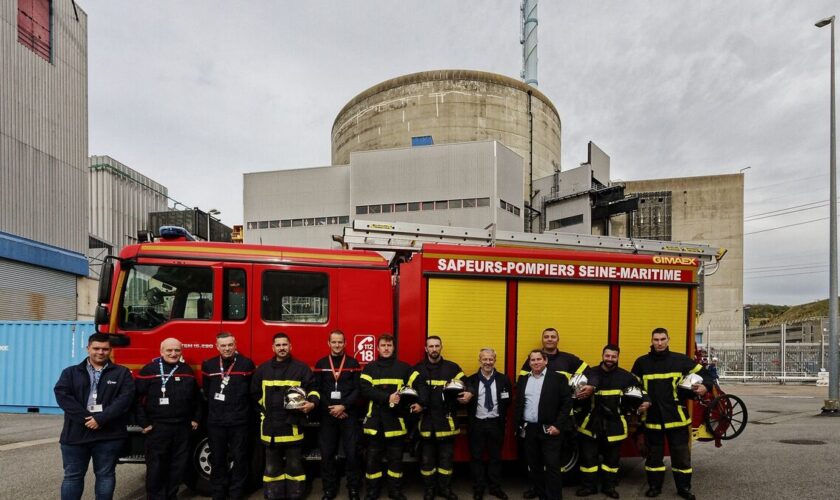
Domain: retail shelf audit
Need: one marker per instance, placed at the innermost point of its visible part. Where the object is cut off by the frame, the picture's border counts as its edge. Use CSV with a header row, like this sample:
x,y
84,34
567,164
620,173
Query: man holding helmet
x,y
285,391
389,385
601,423
447,388
661,372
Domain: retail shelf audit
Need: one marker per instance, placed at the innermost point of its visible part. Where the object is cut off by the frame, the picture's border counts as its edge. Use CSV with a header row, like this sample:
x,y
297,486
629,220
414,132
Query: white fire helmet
x,y
295,398
633,392
408,396
690,380
577,381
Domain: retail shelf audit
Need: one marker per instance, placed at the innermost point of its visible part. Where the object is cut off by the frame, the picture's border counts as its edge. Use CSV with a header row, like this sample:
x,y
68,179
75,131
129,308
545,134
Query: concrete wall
x,y
44,132
452,106
710,210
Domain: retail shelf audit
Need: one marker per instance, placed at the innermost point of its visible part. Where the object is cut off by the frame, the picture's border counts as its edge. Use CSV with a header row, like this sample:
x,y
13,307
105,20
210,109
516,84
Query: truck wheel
x,y
197,477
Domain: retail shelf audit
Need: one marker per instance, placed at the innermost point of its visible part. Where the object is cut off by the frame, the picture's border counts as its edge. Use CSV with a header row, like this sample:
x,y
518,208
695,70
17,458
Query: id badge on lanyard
x,y
164,401
220,396
336,394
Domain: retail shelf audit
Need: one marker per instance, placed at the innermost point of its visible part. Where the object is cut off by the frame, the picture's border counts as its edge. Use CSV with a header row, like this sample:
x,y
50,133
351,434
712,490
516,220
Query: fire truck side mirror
x,y
101,316
105,278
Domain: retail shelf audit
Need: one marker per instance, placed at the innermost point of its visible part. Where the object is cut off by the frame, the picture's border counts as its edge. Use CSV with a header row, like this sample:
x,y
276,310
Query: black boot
x,y
653,491
686,493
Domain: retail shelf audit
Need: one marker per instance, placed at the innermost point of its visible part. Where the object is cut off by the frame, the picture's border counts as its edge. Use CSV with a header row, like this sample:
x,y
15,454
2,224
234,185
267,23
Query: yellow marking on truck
x,y
644,308
580,312
468,315
198,249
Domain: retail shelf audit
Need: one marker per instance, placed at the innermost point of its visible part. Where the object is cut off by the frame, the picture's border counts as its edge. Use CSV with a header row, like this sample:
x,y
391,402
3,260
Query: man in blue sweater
x,y
96,396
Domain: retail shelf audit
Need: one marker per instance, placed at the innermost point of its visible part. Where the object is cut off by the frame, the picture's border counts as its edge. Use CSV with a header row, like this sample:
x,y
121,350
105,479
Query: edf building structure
x,y
43,158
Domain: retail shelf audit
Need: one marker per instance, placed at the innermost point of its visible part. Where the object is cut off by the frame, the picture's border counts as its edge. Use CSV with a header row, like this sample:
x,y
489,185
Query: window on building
x,y
263,224
414,206
374,209
252,225
442,205
387,208
482,202
428,205
286,223
293,297
361,210
34,26
158,294
565,222
297,222
236,303
652,220
516,211
320,221
469,202
400,207
344,219
455,203
272,224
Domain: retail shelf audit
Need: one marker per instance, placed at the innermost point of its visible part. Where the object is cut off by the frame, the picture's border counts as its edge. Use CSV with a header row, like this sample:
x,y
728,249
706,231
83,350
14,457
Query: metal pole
x,y
783,339
744,321
832,404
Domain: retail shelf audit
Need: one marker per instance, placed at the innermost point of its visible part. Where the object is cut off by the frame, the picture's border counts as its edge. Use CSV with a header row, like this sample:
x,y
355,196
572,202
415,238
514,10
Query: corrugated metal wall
x,y
44,131
30,292
120,201
32,355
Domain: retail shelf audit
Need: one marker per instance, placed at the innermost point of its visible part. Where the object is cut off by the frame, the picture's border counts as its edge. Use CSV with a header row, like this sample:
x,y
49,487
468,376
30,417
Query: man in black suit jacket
x,y
487,412
544,400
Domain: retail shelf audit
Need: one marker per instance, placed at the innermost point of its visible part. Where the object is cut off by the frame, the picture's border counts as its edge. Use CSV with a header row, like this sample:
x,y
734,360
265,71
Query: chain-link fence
x,y
794,362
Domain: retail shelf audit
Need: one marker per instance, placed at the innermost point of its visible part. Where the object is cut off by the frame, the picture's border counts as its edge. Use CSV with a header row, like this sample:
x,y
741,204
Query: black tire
x,y
197,477
726,417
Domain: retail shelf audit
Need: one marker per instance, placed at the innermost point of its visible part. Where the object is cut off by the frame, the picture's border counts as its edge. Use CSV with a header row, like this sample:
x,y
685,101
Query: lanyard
x,y
225,376
337,374
165,379
97,374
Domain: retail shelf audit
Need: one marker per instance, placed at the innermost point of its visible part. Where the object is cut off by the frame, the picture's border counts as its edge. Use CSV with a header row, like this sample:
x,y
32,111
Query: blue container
x,y
32,355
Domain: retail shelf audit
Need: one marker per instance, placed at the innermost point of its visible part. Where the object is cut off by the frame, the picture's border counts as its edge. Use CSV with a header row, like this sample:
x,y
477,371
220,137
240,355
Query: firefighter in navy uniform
x,y
227,388
437,423
168,407
660,371
338,382
601,423
384,424
285,391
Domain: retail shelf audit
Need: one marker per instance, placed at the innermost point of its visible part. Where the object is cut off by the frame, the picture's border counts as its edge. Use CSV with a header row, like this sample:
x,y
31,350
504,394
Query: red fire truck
x,y
473,288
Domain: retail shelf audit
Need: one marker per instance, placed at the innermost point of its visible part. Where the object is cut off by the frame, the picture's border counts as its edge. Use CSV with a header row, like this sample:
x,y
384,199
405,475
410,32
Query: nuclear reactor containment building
x,y
450,106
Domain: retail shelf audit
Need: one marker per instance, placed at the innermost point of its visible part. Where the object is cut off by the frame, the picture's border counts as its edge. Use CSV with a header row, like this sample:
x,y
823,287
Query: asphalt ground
x,y
757,464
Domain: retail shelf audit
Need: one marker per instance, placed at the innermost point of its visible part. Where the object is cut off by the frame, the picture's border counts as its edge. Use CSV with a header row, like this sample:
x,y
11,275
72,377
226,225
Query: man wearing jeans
x,y
96,396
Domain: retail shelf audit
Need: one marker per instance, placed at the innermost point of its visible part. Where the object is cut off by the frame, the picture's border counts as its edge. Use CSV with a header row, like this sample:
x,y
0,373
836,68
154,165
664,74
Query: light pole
x,y
210,213
832,404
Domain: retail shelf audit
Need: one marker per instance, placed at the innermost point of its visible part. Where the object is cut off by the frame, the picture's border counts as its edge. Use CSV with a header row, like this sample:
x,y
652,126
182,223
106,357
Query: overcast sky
x,y
195,93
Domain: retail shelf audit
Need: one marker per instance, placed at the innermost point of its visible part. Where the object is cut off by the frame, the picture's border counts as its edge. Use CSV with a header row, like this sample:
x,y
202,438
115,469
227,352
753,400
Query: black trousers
x,y
542,452
392,448
346,432
436,463
284,475
590,462
166,459
486,436
228,444
680,456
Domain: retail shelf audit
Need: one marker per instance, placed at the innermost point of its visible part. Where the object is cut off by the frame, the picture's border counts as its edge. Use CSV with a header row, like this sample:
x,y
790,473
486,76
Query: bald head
x,y
170,350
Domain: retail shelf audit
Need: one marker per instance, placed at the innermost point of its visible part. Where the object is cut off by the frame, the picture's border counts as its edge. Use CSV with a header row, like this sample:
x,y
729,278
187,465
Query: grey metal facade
x,y
120,202
35,293
467,185
44,131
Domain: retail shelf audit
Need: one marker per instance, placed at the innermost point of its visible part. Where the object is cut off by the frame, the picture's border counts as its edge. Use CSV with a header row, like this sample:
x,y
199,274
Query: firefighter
x,y
285,391
168,407
667,417
384,424
559,361
601,424
437,423
566,364
227,388
338,382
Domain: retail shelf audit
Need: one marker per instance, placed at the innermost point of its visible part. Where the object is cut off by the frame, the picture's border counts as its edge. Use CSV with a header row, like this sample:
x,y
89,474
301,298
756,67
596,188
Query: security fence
x,y
782,363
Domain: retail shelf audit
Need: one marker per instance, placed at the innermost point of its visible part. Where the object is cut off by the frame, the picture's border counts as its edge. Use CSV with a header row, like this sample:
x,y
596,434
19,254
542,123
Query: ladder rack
x,y
403,236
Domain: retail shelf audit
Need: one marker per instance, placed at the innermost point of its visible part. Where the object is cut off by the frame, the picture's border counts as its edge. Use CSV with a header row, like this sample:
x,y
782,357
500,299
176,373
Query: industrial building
x,y
473,184
43,159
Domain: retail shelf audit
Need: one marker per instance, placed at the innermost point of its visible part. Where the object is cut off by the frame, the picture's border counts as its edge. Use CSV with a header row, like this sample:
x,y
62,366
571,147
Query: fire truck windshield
x,y
154,295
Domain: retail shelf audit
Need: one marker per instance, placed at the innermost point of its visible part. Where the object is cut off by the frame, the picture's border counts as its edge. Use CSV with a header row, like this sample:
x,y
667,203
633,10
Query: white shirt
x,y
481,412
533,388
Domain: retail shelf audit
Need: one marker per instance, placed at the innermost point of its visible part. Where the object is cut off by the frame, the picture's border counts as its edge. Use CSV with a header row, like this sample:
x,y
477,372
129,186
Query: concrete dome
x,y
451,106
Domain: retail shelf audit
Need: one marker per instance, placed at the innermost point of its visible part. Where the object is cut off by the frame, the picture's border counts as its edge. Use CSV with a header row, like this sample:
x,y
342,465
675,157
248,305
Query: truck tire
x,y
197,476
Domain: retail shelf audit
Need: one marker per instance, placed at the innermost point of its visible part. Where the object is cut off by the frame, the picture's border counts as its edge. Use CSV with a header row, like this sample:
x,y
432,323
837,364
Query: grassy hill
x,y
768,314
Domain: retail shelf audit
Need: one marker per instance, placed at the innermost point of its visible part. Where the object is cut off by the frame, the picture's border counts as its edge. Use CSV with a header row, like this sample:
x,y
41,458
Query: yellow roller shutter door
x,y
580,313
468,315
644,308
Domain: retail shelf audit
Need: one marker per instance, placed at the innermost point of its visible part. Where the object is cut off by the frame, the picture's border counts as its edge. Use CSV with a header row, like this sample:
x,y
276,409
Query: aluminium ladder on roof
x,y
404,236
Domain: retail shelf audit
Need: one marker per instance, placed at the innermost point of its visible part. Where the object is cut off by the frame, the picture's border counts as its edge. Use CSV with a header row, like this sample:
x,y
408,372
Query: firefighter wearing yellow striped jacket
x,y
601,423
565,363
667,417
384,424
273,385
437,424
